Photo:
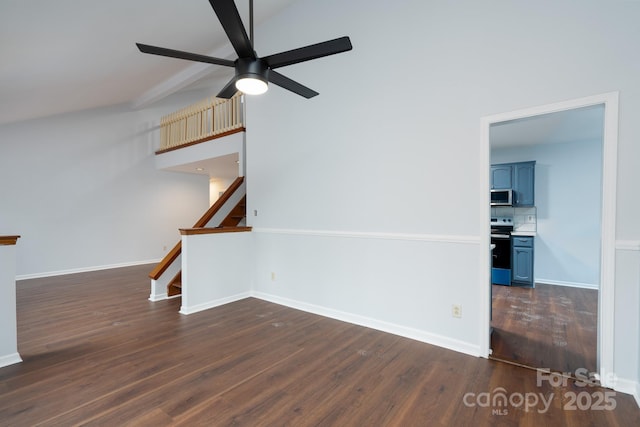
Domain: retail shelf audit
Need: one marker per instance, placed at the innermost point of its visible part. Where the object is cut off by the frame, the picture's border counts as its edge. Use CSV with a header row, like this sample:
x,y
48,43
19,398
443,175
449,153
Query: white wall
x,y
216,269
83,191
8,322
568,192
375,153
217,186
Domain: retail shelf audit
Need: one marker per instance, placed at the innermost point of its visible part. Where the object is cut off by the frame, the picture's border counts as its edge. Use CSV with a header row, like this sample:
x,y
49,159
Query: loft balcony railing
x,y
208,119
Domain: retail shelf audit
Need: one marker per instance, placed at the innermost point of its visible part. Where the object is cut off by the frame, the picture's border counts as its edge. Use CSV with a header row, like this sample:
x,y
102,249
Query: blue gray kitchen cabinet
x,y
501,177
524,183
522,260
520,177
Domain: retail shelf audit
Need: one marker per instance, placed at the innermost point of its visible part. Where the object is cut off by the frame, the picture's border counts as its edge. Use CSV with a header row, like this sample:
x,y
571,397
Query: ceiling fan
x,y
252,72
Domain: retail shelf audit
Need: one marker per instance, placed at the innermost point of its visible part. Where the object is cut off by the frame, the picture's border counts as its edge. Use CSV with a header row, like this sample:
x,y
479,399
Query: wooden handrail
x,y
212,230
219,203
177,249
8,240
166,261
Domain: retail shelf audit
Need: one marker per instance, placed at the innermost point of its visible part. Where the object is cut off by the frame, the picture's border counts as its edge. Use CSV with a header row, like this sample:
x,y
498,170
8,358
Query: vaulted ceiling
x,y
69,55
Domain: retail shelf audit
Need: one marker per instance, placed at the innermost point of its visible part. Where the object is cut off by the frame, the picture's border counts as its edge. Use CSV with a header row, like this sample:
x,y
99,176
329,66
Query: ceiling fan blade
x,y
307,53
295,87
229,90
155,50
229,17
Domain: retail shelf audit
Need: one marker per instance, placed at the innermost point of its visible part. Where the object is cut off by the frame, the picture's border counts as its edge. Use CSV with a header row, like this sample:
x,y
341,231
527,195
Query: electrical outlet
x,y
255,212
164,249
273,276
456,310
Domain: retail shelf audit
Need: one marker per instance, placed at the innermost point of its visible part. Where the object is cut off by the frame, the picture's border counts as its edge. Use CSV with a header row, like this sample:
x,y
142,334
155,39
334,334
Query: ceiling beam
x,y
186,77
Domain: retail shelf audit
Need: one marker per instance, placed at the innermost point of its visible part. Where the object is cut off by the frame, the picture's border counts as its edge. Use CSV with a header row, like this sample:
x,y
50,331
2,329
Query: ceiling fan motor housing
x,y
249,68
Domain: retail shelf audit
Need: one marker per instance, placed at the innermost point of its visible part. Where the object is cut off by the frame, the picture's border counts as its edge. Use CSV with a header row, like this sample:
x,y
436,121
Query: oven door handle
x,y
500,236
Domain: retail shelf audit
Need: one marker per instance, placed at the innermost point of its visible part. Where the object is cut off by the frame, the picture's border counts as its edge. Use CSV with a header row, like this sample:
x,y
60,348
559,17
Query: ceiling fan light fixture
x,y
252,76
251,85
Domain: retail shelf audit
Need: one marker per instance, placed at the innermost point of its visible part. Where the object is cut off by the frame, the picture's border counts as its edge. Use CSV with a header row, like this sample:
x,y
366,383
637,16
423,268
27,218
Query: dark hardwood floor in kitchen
x,y
97,352
547,326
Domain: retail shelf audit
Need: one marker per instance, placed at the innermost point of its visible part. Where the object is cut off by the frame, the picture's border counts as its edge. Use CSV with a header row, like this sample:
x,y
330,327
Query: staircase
x,y
237,214
229,211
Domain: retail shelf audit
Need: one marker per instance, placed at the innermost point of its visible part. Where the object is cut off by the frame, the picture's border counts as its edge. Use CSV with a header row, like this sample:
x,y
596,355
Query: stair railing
x,y
212,117
169,267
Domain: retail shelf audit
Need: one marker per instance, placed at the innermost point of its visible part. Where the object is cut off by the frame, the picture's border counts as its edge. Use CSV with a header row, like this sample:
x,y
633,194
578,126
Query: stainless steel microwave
x,y
502,197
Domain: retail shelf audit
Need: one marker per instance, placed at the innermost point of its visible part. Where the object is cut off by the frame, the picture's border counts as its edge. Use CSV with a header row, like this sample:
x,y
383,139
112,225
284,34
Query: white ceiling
x,y
580,124
70,55
222,167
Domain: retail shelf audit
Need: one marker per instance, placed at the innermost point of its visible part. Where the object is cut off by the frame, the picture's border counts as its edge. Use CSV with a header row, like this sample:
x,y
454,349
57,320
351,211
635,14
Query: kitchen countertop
x,y
524,233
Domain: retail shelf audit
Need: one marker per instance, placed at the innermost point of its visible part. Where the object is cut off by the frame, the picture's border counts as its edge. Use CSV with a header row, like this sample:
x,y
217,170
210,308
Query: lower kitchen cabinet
x,y
522,260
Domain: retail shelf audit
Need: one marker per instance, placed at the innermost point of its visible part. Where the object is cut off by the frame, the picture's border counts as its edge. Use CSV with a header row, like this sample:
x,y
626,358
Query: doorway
x,y
608,102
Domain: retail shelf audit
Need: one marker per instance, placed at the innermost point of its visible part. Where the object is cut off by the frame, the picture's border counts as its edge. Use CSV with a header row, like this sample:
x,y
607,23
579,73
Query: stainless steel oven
x,y
501,229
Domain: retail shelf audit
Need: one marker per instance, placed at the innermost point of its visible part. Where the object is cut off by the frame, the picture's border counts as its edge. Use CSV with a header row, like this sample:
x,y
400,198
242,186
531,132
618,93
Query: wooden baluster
x,y
210,117
203,119
234,118
189,124
162,136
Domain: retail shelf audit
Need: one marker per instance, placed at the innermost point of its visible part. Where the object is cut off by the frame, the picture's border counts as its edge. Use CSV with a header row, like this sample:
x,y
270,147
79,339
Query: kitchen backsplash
x,y
524,219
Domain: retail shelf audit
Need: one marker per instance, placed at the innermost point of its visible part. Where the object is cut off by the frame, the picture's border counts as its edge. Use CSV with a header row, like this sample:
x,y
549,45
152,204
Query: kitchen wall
x,y
569,209
83,191
367,194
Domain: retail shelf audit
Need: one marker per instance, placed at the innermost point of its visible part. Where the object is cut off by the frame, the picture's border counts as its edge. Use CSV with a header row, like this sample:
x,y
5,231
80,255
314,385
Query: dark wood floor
x,y
96,352
548,326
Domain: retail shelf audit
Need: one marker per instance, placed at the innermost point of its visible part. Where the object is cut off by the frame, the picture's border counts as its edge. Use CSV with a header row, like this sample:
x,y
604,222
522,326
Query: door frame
x,y
605,346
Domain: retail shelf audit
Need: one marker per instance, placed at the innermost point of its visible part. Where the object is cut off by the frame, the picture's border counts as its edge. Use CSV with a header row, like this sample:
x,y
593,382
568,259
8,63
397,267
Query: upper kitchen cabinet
x,y
501,177
520,177
523,183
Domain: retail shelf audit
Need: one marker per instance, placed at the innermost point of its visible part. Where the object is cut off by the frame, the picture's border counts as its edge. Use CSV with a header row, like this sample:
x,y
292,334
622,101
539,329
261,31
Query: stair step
x,y
175,286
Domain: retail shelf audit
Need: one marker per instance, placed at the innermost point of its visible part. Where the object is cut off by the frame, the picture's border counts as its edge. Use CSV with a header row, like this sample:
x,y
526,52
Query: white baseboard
x,y
628,387
158,297
84,269
403,331
10,359
568,284
214,303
